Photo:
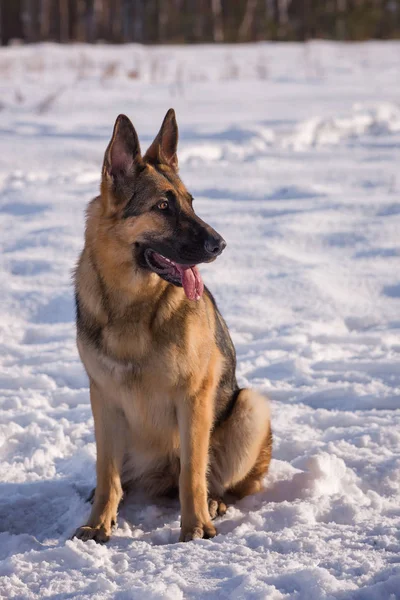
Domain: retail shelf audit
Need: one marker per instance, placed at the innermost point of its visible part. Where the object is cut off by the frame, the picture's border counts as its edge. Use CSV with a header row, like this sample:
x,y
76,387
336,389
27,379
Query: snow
x,y
291,152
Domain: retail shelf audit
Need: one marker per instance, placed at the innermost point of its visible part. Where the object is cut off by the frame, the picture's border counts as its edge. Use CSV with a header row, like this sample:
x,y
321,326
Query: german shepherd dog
x,y
168,413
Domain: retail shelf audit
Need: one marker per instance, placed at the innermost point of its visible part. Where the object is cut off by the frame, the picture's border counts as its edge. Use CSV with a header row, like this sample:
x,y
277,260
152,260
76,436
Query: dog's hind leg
x,y
110,430
241,448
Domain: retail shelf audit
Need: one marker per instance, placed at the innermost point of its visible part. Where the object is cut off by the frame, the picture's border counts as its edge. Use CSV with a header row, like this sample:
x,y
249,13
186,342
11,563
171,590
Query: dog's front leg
x,y
110,444
195,418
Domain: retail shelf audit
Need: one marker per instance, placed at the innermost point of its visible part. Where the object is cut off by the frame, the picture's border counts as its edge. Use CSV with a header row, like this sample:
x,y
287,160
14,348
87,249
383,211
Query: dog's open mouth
x,y
187,276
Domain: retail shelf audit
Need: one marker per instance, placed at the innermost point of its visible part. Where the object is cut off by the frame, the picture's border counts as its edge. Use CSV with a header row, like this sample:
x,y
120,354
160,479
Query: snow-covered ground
x,y
292,153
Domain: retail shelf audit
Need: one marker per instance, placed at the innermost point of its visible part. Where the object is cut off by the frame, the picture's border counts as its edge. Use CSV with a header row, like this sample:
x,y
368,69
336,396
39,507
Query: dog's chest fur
x,y
145,359
145,388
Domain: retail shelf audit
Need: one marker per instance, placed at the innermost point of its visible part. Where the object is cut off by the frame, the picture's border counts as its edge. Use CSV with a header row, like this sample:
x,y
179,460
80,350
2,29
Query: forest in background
x,y
196,21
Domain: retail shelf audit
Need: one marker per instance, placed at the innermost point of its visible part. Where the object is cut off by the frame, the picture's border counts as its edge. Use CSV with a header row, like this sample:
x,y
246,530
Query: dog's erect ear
x,y
164,147
121,156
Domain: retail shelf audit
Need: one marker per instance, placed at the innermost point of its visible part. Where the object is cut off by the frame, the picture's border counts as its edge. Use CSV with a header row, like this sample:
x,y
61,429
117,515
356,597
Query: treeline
x,y
193,21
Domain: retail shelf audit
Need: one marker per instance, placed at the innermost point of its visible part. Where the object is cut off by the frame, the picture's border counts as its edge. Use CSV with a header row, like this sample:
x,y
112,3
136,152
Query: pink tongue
x,y
191,281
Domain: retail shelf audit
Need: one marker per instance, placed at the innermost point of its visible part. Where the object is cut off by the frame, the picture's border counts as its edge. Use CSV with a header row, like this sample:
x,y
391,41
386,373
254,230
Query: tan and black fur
x,y
167,409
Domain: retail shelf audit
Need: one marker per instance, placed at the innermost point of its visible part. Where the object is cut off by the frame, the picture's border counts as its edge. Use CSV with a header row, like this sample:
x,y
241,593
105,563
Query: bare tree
x,y
200,12
105,19
218,30
341,6
162,20
197,20
248,20
138,28
30,18
116,21
45,19
283,9
64,20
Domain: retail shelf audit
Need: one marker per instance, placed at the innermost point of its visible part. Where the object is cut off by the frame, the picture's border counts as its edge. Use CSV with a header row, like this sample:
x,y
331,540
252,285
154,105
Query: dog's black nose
x,y
214,245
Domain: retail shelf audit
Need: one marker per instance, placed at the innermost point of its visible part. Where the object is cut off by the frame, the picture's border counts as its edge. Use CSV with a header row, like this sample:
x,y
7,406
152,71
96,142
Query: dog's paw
x,y
216,508
207,530
98,534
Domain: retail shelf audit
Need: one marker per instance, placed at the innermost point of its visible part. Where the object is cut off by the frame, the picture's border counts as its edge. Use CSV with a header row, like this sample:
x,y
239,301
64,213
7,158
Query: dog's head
x,y
149,208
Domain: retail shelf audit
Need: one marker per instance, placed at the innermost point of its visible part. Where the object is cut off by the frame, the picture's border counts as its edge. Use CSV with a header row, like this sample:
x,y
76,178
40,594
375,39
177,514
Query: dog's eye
x,y
163,205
